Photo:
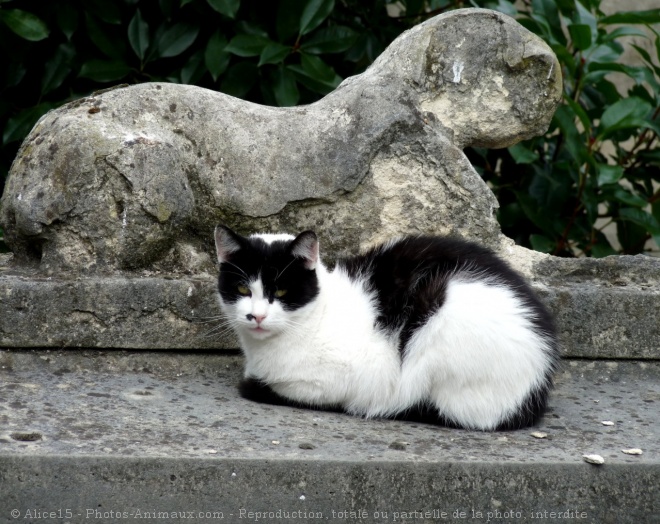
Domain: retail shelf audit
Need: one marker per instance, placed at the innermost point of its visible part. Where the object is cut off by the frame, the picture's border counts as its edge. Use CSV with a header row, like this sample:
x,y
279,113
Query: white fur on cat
x,y
476,359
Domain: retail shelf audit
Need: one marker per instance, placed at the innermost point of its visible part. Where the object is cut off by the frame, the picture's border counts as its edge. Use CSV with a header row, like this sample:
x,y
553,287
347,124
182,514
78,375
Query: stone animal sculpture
x,y
136,178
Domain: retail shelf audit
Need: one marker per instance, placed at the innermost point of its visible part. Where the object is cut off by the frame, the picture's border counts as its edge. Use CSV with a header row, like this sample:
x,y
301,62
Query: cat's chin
x,y
259,333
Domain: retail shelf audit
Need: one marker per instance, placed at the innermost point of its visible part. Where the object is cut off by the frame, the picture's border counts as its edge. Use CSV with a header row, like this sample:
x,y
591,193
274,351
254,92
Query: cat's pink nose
x,y
258,318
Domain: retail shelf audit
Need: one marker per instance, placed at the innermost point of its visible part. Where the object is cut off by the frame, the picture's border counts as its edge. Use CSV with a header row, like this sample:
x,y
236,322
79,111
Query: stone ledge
x,y
110,312
124,431
595,320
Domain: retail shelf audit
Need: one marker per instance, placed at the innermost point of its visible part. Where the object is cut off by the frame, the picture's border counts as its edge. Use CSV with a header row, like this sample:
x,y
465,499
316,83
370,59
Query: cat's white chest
x,y
336,357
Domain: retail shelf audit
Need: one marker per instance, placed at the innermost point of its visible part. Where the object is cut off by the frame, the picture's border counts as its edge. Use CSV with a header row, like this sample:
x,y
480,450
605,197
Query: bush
x,y
598,164
555,191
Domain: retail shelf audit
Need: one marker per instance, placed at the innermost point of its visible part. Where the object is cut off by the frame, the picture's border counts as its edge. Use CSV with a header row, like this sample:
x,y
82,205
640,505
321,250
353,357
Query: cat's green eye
x,y
243,290
280,293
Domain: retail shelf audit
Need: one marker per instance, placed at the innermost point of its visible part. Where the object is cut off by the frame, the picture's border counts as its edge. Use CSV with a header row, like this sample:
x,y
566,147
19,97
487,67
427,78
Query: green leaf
x,y
545,13
624,31
67,19
523,155
244,27
630,235
24,24
651,16
590,200
104,70
104,39
194,69
414,7
185,2
608,174
109,12
334,39
274,53
542,243
15,72
641,218
168,8
633,126
647,58
580,113
509,215
655,210
567,60
639,74
19,126
177,39
247,45
285,88
57,68
317,68
538,19
626,197
239,79
313,84
228,8
604,53
215,57
602,248
625,109
138,35
506,7
547,189
314,13
581,36
367,47
586,17
531,209
565,120
287,22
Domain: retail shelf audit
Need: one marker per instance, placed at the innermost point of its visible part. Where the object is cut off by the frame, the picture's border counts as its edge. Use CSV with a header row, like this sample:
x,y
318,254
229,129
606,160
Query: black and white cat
x,y
425,328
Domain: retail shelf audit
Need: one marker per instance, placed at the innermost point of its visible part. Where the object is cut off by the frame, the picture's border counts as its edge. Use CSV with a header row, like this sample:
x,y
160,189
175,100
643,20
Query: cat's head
x,y
266,281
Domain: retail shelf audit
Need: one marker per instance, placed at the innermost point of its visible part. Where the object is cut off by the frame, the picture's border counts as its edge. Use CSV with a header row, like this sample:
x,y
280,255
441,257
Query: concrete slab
x,y
94,432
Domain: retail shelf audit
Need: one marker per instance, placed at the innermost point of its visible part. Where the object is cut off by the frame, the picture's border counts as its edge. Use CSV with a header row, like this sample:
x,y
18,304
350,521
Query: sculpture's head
x,y
478,72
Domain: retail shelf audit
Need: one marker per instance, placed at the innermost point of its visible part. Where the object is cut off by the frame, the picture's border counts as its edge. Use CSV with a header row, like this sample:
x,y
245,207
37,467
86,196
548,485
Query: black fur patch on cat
x,y
409,279
275,265
258,391
529,414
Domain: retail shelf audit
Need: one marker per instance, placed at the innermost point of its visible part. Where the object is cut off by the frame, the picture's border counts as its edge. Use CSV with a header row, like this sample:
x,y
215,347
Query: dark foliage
x,y
557,192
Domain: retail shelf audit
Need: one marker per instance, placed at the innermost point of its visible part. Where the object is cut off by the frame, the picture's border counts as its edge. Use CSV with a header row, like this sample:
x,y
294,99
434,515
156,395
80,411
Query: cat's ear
x,y
306,246
226,243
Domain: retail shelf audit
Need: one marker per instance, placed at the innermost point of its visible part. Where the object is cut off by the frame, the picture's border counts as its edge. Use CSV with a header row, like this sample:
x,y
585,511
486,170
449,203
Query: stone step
x,y
596,319
107,436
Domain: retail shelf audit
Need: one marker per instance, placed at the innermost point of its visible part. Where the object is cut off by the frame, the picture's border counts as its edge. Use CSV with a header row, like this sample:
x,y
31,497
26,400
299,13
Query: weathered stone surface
x,y
137,177
604,308
119,431
111,312
608,308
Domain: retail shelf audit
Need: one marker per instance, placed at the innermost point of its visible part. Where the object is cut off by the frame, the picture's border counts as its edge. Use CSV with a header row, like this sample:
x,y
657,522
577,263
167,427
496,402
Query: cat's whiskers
x,y
208,320
221,326
279,274
224,325
243,276
234,265
290,327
